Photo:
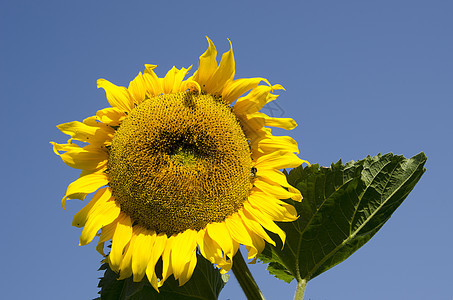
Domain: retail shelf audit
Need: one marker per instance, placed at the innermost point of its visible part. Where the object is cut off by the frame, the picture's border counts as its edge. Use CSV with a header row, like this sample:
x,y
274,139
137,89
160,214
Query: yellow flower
x,y
176,167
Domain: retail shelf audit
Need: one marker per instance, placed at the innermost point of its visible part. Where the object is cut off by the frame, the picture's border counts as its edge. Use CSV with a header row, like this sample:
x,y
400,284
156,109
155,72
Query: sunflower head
x,y
176,167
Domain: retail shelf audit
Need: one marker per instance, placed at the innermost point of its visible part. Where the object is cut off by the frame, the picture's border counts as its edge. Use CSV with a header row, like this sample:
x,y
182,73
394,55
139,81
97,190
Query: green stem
x,y
245,278
300,290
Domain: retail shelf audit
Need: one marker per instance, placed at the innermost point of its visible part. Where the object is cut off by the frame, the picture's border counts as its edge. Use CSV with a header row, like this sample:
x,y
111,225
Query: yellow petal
x,y
152,82
190,85
137,89
223,73
273,176
253,128
183,245
253,101
167,268
234,89
188,269
225,267
117,96
94,122
277,210
212,251
64,147
156,252
126,262
179,77
84,185
285,123
254,226
122,236
219,232
106,234
237,230
172,81
278,160
295,193
105,214
81,217
265,221
78,130
142,252
111,116
256,99
276,190
169,80
235,247
271,143
149,68
269,180
87,158
207,247
103,134
208,65
257,246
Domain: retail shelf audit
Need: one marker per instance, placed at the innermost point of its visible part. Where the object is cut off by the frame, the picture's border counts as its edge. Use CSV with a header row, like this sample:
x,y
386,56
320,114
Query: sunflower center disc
x,y
179,161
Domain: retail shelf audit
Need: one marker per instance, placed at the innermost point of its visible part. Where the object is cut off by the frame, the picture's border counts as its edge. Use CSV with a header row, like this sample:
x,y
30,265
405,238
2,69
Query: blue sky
x,y
361,77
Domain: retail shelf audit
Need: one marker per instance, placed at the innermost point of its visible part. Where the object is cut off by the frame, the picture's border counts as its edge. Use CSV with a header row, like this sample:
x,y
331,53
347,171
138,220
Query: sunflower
x,y
177,169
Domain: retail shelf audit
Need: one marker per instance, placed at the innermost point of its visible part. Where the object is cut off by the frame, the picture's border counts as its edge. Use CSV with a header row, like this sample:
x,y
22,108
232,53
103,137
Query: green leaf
x,y
205,284
343,207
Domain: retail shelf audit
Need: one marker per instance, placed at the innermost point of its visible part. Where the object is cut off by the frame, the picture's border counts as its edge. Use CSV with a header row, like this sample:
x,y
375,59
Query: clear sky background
x,y
361,77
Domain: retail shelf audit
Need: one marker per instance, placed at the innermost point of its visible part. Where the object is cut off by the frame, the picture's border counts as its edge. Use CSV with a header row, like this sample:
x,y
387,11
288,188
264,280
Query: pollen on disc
x,y
180,161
